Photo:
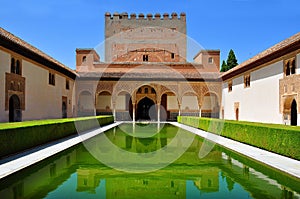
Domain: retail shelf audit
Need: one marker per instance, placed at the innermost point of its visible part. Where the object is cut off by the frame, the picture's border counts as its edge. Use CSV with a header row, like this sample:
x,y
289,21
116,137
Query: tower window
x,y
145,57
83,59
210,60
172,55
146,90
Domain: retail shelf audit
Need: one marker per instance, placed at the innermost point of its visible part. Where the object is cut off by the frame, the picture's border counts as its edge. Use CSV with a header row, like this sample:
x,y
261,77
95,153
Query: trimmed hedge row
x,y
280,139
20,136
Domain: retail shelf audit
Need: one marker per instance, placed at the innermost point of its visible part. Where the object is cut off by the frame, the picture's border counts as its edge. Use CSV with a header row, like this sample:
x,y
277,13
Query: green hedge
x,y
281,139
20,136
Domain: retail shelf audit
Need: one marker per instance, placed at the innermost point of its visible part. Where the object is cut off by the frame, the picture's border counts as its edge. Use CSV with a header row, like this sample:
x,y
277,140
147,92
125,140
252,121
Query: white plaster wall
x,y
4,67
172,102
259,102
189,103
43,101
103,101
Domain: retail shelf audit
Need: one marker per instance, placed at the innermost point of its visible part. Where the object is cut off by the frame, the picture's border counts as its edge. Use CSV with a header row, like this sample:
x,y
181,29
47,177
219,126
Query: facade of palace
x,y
145,75
265,88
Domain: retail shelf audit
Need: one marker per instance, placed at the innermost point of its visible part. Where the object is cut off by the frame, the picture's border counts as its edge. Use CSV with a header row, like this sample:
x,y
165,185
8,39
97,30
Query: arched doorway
x,y
64,110
294,113
143,108
15,112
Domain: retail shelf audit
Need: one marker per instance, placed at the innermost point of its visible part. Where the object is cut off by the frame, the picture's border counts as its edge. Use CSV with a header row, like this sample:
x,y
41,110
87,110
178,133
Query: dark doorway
x,y
143,109
294,113
237,114
15,112
64,110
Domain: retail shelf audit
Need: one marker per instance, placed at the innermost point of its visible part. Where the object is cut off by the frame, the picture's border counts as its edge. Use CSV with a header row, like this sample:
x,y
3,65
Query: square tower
x,y
140,38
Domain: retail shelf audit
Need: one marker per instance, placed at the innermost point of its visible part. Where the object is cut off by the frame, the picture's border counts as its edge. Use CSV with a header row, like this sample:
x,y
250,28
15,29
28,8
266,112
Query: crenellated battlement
x,y
141,16
126,32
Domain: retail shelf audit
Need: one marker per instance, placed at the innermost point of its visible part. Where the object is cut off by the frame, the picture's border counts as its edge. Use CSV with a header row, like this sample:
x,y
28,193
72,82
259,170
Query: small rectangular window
x,y
67,84
172,55
230,86
210,60
145,57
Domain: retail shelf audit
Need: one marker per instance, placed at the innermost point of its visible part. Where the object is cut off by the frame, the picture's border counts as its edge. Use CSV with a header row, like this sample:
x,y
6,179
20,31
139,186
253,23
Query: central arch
x,y
294,113
143,108
15,114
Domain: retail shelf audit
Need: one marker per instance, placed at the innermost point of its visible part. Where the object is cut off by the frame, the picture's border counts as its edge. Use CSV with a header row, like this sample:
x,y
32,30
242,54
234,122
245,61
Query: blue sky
x,y
58,27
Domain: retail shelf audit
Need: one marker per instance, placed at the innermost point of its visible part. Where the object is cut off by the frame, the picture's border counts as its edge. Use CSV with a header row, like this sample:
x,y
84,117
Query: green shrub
x,y
20,136
276,138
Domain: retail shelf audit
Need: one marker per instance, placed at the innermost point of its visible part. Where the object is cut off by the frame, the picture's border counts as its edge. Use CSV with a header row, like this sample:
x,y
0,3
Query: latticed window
x,y
15,66
51,78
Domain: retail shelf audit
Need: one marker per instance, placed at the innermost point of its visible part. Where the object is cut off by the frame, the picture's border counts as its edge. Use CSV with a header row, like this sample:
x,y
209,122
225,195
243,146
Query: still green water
x,y
148,161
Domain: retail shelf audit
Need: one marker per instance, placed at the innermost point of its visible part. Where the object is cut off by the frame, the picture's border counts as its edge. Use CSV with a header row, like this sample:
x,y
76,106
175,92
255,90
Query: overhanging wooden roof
x,y
287,46
14,43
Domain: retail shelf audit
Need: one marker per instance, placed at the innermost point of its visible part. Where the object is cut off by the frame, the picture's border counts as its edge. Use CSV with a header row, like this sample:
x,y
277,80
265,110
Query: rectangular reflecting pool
x,y
148,161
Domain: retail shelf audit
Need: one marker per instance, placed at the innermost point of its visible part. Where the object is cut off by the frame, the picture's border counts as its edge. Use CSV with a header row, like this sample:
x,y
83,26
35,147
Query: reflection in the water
x,y
75,173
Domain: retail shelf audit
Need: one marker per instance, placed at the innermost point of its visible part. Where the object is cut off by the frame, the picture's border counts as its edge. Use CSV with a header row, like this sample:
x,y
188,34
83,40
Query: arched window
x,y
83,59
12,66
293,67
287,69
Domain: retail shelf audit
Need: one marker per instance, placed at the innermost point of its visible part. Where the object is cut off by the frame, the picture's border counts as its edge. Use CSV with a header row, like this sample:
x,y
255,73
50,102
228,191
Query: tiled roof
x,y
151,71
274,49
16,40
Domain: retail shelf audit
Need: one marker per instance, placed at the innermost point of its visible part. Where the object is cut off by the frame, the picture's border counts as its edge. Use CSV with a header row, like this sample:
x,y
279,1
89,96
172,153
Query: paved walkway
x,y
279,162
23,160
